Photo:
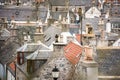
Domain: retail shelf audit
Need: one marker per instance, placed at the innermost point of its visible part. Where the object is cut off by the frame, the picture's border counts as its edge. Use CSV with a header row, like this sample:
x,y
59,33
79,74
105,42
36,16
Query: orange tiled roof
x,y
73,52
12,66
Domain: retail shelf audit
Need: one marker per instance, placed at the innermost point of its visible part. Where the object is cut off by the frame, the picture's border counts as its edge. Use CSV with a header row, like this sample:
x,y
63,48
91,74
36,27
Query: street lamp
x,y
55,73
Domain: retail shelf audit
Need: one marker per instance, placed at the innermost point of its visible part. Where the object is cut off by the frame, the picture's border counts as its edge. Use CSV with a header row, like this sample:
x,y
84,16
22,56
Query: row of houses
x,y
37,51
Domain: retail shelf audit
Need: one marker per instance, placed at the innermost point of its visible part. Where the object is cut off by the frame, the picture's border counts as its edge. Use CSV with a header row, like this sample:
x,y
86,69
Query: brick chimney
x,y
39,35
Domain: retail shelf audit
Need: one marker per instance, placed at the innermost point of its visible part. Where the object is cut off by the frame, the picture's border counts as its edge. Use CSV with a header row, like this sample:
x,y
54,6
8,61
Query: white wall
x,y
10,76
1,71
92,73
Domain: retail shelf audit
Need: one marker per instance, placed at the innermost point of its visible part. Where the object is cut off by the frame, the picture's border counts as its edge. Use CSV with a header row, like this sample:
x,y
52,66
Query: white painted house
x,y
92,13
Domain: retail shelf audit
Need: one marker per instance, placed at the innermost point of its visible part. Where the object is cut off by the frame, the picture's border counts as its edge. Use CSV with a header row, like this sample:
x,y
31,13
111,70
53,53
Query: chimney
x,y
39,35
88,53
58,44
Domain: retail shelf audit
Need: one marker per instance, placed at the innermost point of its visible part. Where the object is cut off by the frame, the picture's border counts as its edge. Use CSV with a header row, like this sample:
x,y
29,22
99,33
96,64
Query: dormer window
x,y
89,29
47,39
20,58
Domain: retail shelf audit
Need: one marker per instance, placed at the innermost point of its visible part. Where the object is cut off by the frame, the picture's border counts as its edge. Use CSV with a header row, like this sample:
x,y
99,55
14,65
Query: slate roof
x,y
108,59
49,34
39,51
62,64
28,48
7,54
39,55
43,52
4,38
72,2
4,35
112,36
5,32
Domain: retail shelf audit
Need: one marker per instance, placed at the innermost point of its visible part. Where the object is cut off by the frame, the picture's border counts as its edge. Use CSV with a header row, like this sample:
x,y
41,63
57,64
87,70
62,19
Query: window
x,y
20,58
90,30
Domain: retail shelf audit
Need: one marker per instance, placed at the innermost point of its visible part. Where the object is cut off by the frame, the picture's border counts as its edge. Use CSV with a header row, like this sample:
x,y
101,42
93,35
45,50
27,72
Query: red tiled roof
x,y
12,66
73,52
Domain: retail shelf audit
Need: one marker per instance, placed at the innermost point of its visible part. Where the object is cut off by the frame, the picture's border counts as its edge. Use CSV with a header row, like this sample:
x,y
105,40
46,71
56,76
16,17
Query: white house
x,y
92,13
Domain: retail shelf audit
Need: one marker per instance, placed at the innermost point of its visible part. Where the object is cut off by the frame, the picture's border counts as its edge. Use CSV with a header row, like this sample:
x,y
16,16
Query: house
x,y
92,13
7,52
7,55
30,57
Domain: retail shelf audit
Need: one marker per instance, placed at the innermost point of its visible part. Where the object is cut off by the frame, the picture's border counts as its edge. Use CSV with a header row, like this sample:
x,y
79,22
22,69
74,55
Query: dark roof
x,y
49,34
4,38
72,2
7,54
5,32
112,38
108,59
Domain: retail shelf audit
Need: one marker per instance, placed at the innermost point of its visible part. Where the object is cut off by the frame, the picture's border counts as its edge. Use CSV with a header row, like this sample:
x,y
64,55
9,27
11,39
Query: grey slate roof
x,y
5,32
4,38
109,61
49,34
43,52
72,2
7,54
